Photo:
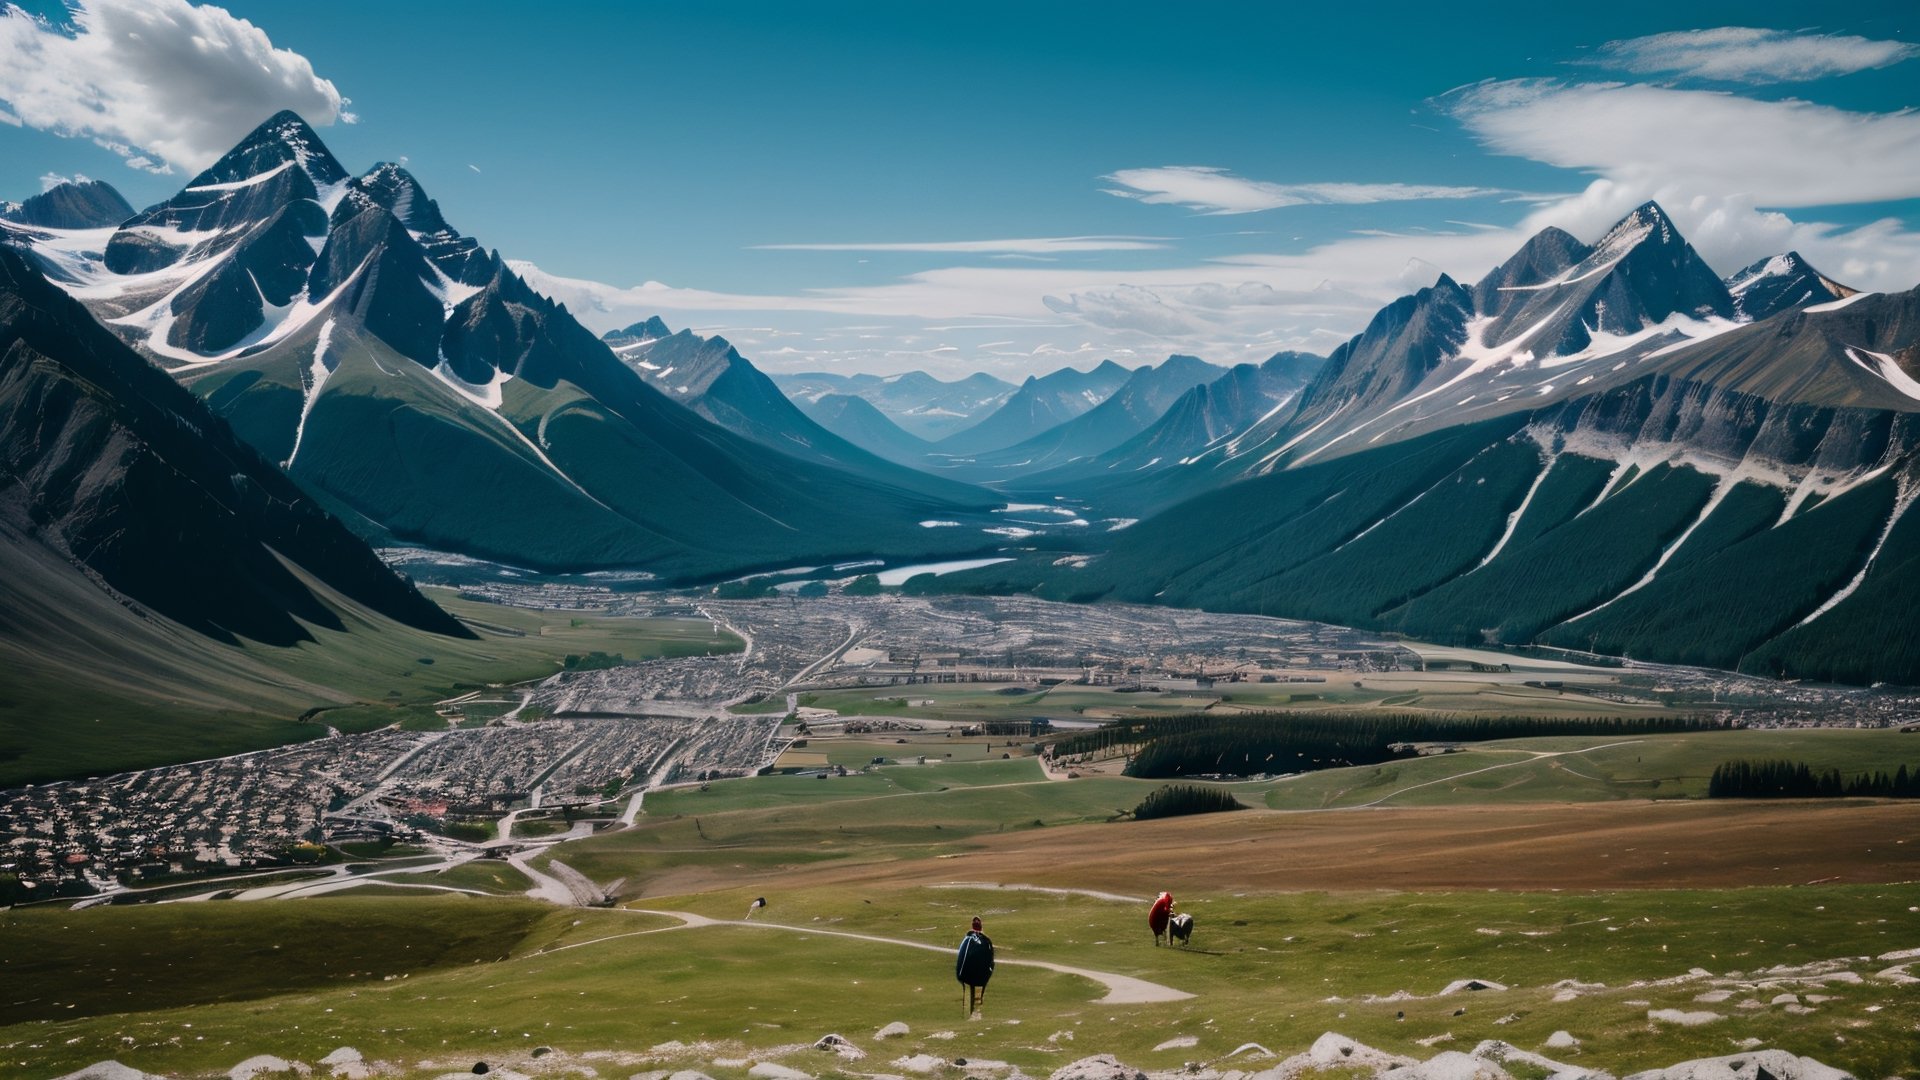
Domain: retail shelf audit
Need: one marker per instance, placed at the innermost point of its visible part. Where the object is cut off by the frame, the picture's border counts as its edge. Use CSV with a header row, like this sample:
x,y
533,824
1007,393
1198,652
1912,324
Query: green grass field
x,y
437,983
447,980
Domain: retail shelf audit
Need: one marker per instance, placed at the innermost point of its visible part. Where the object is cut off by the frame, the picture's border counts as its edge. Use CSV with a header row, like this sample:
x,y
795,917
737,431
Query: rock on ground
x,y
1562,1040
267,1063
1178,1042
892,1031
1097,1067
1778,1063
110,1070
920,1063
1684,1019
1334,1050
839,1045
768,1070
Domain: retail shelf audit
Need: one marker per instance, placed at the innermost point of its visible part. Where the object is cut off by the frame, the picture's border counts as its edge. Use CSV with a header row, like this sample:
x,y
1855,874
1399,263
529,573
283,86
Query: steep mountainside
x,y
1556,321
424,392
918,403
709,376
1041,403
1743,501
149,552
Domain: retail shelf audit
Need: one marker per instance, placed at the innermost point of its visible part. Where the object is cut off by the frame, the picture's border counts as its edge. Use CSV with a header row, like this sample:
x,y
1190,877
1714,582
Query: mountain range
x,y
422,391
919,404
1597,446
1597,449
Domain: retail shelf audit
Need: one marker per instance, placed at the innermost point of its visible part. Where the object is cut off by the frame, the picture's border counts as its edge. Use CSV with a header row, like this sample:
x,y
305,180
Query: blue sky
x,y
714,149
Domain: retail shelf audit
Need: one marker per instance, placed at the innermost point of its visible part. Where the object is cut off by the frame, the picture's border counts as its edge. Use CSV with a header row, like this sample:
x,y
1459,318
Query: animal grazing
x,y
1180,929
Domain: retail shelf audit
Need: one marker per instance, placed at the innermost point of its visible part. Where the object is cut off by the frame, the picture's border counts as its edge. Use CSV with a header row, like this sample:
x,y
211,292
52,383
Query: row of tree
x,y
1176,800
1798,780
1254,743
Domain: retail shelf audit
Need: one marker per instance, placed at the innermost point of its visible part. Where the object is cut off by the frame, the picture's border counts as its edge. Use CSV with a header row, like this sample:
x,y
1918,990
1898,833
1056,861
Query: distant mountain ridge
x,y
919,404
1040,403
709,376
1141,399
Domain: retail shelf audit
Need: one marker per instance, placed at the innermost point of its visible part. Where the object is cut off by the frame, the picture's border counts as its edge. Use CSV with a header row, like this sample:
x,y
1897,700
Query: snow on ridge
x,y
251,181
487,395
1836,305
1887,370
317,372
1778,266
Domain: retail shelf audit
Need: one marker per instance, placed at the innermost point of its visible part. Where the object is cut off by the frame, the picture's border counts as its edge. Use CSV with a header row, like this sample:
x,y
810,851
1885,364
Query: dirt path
x,y
1531,757
1121,989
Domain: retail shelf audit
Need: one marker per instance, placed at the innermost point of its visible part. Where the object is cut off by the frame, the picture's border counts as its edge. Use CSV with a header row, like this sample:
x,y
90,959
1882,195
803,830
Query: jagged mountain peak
x,y
393,187
283,139
1646,222
1766,287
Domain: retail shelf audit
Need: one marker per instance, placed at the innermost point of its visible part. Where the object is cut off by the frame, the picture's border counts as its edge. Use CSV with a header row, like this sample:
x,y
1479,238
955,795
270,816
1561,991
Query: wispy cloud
x,y
1748,55
1037,245
1216,191
163,83
1775,153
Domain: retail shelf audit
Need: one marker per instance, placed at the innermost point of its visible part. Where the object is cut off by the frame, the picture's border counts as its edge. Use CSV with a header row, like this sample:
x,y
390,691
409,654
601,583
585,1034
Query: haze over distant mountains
x,y
1596,445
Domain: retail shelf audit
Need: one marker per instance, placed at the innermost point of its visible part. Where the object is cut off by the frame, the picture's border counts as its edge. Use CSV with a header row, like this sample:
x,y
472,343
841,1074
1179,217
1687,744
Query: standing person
x,y
973,966
1158,914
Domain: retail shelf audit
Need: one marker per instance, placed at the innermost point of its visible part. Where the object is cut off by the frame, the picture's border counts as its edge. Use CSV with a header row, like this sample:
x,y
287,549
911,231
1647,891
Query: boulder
x,y
1097,1067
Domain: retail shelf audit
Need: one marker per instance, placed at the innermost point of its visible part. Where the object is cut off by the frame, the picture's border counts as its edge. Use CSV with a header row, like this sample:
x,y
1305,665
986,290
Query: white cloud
x,y
49,181
1039,245
1749,55
163,83
1217,191
1776,153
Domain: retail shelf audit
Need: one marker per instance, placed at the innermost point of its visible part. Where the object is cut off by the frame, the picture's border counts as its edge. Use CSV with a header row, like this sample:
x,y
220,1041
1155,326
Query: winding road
x,y
1121,989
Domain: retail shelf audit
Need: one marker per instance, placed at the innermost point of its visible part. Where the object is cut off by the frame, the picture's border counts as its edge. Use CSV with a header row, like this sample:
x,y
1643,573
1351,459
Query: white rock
x,y
1178,1042
346,1055
839,1045
1097,1067
892,1031
1505,1053
1449,1065
1562,1040
1462,985
1684,1019
1333,1049
1781,1064
921,1063
267,1063
1785,999
1713,997
769,1070
110,1070
1254,1050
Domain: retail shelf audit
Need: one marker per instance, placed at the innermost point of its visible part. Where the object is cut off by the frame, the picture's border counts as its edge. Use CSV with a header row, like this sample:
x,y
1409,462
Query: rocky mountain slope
x,y
419,388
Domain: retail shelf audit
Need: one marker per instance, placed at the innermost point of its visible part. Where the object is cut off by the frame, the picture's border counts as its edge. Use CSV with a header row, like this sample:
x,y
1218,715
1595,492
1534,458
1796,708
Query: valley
x,y
1475,591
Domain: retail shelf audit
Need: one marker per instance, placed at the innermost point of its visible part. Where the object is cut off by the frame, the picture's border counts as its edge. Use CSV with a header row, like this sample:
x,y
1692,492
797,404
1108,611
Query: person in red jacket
x,y
1158,914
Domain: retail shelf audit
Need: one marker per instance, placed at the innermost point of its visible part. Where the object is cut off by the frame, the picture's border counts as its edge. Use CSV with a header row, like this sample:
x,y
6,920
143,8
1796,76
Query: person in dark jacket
x,y
973,966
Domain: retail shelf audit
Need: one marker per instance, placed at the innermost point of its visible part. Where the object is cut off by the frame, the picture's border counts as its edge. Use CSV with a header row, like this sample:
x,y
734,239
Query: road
x,y
1121,989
